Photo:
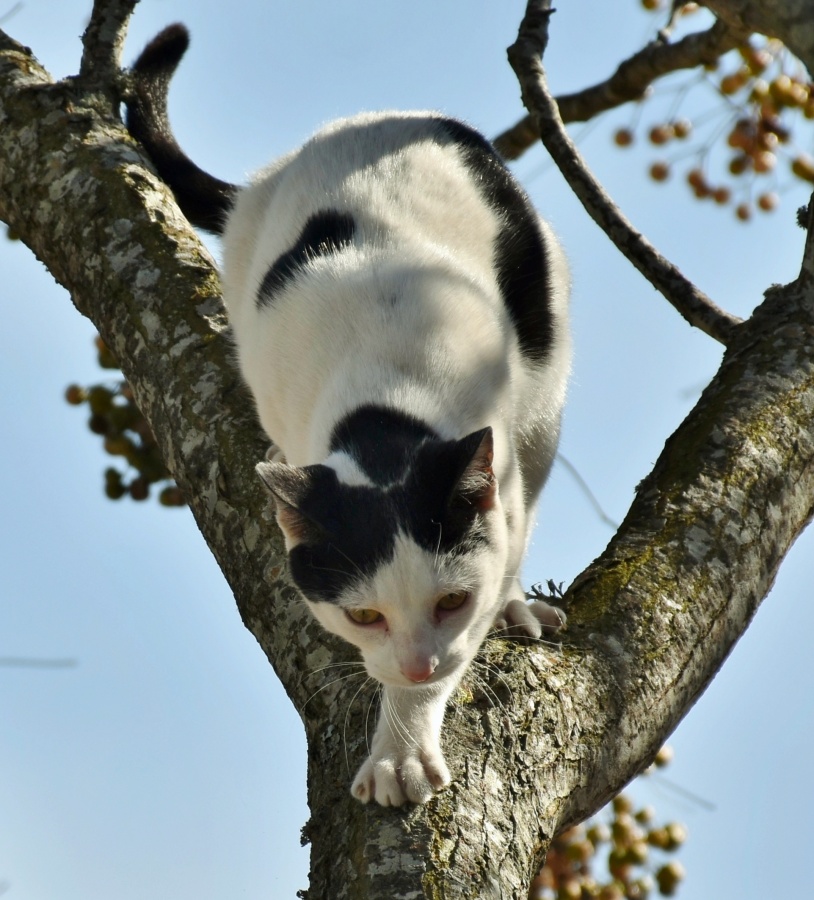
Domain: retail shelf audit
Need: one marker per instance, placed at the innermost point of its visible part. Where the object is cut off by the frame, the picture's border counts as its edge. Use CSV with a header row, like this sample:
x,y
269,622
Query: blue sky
x,y
167,761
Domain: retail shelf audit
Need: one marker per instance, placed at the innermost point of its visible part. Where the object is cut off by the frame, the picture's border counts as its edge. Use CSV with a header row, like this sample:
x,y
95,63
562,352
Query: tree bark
x,y
537,738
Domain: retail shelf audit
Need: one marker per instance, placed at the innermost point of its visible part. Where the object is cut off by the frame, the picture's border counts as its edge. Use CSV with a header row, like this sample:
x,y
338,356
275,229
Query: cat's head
x,y
409,572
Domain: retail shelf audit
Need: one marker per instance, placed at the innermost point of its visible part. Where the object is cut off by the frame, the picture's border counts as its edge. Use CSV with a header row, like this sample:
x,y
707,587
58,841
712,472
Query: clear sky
x,y
167,762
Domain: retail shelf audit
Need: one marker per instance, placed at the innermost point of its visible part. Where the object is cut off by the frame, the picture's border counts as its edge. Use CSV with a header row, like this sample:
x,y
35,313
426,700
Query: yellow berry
x,y
668,877
75,395
803,167
767,202
732,83
645,815
739,164
664,757
677,835
695,178
764,161
622,804
570,890
660,134
682,128
623,137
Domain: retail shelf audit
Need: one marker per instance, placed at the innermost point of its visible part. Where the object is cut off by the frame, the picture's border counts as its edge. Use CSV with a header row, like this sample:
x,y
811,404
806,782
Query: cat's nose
x,y
419,670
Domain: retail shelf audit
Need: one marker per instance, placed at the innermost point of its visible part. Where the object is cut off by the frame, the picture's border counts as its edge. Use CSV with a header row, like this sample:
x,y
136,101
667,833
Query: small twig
x,y
9,13
26,662
525,56
806,219
589,494
629,82
708,805
103,42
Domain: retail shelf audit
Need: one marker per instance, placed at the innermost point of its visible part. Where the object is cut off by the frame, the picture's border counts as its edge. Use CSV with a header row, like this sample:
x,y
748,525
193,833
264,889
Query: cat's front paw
x,y
393,775
530,619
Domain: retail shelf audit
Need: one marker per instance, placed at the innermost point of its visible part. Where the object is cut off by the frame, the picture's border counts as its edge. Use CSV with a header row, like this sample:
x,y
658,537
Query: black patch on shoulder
x,y
520,256
381,440
324,233
356,526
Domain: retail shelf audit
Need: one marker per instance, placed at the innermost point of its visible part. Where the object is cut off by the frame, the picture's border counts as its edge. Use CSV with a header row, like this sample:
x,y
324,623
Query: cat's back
x,y
395,180
392,259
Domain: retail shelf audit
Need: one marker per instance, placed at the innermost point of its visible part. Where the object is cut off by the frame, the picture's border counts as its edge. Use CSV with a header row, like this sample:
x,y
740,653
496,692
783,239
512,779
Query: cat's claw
x,y
530,619
275,454
399,775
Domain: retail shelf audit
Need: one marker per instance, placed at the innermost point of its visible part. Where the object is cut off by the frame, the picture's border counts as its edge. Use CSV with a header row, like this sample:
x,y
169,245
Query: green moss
x,y
596,600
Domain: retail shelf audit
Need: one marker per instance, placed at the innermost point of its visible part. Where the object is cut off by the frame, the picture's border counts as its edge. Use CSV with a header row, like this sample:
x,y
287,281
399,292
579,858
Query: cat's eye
x,y
364,616
452,600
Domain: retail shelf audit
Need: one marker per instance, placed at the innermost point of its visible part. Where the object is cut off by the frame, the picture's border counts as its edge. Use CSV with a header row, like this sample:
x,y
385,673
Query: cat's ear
x,y
289,486
476,485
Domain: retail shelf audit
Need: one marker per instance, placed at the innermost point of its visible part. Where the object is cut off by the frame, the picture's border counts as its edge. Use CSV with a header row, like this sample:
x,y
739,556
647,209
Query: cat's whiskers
x,y
334,571
377,695
438,545
490,692
357,671
364,684
397,726
356,664
511,633
352,562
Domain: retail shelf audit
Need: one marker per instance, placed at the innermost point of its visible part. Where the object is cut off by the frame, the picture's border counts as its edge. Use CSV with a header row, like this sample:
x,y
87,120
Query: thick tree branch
x,y
629,82
538,738
525,58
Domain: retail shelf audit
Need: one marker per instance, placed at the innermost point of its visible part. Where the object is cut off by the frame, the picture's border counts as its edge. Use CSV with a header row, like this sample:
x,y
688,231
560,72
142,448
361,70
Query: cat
x,y
399,313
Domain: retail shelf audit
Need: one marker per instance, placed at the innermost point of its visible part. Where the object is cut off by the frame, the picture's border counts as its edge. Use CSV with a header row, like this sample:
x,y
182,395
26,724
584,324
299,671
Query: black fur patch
x,y
382,441
356,526
520,251
324,233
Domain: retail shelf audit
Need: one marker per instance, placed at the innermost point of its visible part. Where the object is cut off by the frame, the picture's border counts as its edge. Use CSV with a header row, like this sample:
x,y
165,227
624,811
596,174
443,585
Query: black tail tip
x,y
164,51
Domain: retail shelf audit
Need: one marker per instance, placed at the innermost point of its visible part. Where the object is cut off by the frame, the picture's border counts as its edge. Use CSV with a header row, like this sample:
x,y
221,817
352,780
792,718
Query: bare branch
x,y
525,58
103,41
629,82
11,12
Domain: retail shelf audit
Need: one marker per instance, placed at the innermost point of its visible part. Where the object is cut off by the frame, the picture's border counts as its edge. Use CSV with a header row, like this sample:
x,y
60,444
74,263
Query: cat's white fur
x,y
328,345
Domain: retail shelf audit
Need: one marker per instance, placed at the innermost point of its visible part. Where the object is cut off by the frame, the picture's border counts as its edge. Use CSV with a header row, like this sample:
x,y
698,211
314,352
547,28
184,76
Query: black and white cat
x,y
400,316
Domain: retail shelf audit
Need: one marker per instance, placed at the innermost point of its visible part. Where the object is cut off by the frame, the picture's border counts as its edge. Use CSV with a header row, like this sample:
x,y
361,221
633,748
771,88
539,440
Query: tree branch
x,y
103,42
629,82
525,58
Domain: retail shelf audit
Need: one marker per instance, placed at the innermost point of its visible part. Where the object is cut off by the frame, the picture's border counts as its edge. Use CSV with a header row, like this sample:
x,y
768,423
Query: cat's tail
x,y
204,199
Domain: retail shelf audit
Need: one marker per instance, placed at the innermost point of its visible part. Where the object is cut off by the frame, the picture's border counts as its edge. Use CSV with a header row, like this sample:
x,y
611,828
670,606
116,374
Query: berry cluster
x,y
627,842
764,99
125,432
